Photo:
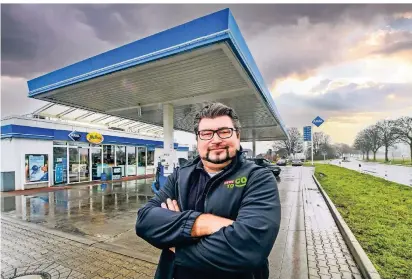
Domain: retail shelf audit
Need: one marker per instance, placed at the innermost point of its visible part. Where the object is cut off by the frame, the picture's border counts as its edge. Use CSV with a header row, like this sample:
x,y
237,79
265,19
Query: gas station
x,y
163,79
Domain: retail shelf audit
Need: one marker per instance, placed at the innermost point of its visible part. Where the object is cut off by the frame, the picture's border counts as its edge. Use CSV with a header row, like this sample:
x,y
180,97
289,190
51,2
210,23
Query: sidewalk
x,y
28,250
328,255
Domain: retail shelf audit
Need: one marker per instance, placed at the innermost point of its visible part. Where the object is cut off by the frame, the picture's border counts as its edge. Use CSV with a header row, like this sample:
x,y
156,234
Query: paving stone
x,y
346,275
323,270
63,258
336,275
344,267
354,269
322,263
312,264
334,269
313,271
332,262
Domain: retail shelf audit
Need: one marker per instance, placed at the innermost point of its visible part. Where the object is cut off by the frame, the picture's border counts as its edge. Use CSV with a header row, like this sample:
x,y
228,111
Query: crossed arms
x,y
208,242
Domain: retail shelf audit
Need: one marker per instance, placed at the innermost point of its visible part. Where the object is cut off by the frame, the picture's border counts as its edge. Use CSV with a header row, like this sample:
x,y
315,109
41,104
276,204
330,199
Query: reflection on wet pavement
x,y
103,210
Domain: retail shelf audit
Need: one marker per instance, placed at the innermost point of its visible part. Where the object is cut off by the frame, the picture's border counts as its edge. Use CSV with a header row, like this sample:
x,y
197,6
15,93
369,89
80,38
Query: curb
x,y
364,263
86,240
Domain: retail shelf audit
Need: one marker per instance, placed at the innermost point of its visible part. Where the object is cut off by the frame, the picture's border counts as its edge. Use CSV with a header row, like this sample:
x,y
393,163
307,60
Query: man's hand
x,y
207,224
171,205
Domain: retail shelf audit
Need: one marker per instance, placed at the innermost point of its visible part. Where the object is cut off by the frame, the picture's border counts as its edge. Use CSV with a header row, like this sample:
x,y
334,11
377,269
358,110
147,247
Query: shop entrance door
x,y
84,169
74,165
79,164
97,163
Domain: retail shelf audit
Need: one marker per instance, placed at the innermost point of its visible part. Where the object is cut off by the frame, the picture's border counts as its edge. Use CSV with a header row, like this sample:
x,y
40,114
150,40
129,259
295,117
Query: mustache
x,y
217,147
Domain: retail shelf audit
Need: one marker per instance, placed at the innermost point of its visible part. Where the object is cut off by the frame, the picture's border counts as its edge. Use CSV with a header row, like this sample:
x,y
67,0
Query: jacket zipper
x,y
219,178
178,190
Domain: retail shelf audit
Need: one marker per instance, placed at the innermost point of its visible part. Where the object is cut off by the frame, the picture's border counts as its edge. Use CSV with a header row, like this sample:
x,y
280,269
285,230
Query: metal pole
x,y
311,137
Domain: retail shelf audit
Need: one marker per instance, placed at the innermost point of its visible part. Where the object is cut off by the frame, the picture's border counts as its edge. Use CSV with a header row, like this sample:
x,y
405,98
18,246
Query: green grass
x,y
378,212
315,162
405,162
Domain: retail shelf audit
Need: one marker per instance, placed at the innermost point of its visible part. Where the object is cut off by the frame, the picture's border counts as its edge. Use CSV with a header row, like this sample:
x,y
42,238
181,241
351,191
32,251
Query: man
x,y
217,216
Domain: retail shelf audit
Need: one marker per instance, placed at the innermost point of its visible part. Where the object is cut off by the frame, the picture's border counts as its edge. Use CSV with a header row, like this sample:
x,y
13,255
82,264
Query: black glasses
x,y
223,133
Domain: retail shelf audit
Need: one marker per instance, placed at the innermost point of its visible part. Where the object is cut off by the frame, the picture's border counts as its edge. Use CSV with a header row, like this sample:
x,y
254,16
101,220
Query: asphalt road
x,y
399,174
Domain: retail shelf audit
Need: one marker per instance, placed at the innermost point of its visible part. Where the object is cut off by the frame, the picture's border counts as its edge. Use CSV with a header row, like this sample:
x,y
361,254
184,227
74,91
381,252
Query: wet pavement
x,y
102,211
105,214
328,254
32,251
399,174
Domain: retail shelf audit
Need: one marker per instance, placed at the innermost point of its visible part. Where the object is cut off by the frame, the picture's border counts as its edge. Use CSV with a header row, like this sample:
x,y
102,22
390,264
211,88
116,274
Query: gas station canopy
x,y
203,60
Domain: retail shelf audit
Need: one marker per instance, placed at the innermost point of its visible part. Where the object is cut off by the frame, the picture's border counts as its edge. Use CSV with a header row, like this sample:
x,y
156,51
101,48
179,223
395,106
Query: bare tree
x,y
293,145
320,142
387,129
342,148
373,135
363,144
403,130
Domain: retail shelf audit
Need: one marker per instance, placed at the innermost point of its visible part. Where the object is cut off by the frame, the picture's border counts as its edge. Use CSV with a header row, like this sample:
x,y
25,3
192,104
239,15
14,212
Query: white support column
x,y
254,143
168,146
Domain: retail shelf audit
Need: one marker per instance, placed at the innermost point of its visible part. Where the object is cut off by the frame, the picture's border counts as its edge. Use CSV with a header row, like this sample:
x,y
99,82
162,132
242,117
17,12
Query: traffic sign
x,y
318,121
307,133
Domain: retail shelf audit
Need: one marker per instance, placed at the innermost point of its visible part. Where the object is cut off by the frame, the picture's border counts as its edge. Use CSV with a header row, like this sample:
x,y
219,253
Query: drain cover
x,y
33,275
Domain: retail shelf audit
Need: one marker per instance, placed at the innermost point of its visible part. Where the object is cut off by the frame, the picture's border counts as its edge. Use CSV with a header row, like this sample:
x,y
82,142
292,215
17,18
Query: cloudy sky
x,y
350,64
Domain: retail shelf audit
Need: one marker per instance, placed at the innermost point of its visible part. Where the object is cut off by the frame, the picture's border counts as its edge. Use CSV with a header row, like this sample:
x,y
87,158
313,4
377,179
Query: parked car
x,y
266,163
281,162
297,163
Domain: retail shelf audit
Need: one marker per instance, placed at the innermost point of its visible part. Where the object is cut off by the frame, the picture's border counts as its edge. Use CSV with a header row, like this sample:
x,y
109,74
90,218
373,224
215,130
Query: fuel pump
x,y
160,176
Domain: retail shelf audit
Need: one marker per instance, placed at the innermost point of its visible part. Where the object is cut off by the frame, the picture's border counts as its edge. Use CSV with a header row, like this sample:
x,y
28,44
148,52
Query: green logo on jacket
x,y
238,182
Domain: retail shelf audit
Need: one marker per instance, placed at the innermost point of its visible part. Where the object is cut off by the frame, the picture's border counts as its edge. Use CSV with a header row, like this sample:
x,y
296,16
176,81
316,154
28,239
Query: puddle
x,y
85,210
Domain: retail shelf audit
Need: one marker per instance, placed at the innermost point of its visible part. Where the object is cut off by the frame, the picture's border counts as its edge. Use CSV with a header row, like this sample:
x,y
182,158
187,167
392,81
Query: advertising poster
x,y
58,175
116,173
36,167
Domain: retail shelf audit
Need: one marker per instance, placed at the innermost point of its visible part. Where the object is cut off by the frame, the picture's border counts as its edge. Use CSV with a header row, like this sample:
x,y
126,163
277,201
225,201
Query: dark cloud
x,y
64,34
396,47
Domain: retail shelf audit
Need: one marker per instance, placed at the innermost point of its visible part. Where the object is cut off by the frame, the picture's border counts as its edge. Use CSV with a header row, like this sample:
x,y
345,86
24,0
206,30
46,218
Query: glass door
x,y
74,165
131,160
97,166
84,164
141,151
121,158
59,165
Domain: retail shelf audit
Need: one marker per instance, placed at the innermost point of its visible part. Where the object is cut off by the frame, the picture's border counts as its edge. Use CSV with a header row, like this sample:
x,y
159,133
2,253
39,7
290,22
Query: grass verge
x,y
407,162
378,212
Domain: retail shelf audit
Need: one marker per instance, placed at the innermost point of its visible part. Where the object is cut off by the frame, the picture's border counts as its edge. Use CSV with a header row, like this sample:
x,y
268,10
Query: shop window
x,y
121,158
150,157
141,170
108,155
131,160
59,165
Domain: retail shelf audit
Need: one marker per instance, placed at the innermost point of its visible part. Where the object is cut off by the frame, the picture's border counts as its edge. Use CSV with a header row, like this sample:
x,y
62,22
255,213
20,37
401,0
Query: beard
x,y
218,160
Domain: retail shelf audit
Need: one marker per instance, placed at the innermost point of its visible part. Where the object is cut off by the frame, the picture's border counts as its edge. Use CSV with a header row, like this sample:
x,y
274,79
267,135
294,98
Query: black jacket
x,y
245,193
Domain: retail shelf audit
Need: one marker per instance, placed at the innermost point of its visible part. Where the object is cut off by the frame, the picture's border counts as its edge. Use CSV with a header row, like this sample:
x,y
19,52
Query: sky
x,y
349,64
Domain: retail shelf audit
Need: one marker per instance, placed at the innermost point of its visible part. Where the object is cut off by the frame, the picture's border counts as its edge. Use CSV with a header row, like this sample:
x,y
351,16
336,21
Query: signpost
x,y
307,133
317,122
